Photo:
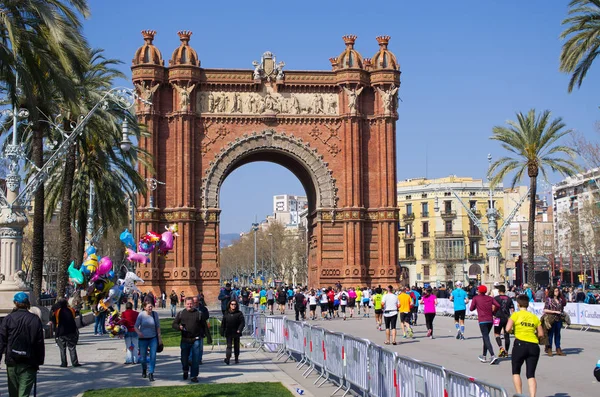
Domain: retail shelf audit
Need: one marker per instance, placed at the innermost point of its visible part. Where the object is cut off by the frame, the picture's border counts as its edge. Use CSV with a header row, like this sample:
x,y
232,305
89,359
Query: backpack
x,y
590,299
20,349
344,296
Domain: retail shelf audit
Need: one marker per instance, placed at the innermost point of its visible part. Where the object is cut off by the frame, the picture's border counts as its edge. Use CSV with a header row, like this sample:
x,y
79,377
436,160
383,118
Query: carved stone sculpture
x,y
353,99
184,96
146,93
389,99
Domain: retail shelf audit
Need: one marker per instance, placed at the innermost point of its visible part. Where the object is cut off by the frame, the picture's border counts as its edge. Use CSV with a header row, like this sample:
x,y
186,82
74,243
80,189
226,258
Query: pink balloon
x,y
138,257
166,241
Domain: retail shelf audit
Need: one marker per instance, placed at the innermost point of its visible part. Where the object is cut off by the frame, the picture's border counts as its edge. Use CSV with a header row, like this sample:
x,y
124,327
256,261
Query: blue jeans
x,y
131,346
173,310
144,344
99,321
554,333
193,350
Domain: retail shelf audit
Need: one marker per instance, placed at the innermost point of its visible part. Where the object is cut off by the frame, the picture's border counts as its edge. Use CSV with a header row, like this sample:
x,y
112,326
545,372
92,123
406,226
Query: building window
x,y
426,270
418,276
473,205
425,209
410,250
447,206
514,232
474,247
425,229
448,227
426,252
408,229
514,243
493,204
409,209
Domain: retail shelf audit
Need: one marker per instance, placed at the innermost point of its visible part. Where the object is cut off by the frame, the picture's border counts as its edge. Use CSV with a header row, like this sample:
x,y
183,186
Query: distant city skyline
x,y
462,72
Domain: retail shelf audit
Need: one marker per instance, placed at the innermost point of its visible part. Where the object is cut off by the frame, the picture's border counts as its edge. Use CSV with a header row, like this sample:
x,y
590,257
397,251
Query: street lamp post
x,y
272,274
255,229
13,205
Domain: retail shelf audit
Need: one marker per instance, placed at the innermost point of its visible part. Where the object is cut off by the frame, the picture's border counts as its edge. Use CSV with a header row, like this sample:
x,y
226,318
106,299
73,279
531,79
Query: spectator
x,y
136,298
128,320
147,327
553,308
300,305
540,295
22,343
182,298
192,327
67,333
99,322
225,297
527,291
232,327
174,300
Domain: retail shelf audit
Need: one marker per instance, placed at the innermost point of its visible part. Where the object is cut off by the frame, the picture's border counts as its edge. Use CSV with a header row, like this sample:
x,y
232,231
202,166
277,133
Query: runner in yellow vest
x,y
378,308
358,298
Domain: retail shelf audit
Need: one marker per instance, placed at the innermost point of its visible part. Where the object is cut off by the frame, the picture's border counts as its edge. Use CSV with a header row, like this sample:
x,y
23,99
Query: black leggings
x,y
235,341
429,321
525,352
485,329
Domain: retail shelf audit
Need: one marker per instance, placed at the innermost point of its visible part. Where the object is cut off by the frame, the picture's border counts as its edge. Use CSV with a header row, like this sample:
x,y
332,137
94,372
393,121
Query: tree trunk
x,y
531,231
66,243
37,267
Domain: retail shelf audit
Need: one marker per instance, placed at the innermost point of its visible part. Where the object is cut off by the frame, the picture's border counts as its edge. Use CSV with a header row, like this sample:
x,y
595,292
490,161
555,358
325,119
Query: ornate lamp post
x,y
13,205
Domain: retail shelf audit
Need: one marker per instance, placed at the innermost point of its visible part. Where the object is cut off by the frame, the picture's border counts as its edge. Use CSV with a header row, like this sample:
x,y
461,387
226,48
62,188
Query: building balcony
x,y
475,257
409,237
475,234
426,234
448,214
449,235
426,256
449,259
425,214
408,217
477,213
408,259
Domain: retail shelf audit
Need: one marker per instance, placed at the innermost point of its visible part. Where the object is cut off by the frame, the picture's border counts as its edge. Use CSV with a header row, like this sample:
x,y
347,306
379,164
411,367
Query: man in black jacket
x,y
22,343
67,334
192,326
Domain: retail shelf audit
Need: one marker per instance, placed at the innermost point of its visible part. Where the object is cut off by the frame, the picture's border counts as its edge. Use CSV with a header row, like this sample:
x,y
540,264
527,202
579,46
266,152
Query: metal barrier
x,y
459,385
383,379
420,379
317,353
335,358
272,334
356,355
294,339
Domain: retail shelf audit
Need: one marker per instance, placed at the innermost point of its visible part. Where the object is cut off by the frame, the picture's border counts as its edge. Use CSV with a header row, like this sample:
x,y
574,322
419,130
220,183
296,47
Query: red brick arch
x,y
335,130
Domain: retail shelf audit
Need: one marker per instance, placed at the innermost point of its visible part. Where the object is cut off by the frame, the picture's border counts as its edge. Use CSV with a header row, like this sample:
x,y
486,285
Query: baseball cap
x,y
482,289
21,297
496,284
459,283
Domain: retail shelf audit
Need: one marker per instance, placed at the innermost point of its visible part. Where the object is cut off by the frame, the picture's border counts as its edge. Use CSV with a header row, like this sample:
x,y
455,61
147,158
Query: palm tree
x,y
583,40
532,140
42,42
96,157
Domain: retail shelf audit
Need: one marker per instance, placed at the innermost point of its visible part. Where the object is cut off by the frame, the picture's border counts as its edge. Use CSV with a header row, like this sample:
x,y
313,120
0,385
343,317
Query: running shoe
x,y
428,333
404,336
502,353
483,359
462,337
458,335
410,333
493,360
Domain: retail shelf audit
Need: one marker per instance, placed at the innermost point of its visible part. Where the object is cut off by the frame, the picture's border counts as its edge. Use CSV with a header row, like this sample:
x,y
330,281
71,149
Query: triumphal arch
x,y
335,130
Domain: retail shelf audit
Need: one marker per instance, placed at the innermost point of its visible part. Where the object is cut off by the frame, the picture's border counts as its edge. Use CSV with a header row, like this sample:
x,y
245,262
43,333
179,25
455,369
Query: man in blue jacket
x,y
225,297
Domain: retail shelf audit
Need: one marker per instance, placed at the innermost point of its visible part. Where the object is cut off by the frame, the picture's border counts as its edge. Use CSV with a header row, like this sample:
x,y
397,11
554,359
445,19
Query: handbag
x,y
566,319
160,346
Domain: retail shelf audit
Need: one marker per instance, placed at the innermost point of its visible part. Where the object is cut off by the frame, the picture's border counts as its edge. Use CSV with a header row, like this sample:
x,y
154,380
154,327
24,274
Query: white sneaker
x,y
483,359
493,360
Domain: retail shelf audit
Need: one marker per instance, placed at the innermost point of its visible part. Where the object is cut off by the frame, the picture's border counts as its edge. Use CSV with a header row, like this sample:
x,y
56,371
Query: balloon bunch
x,y
114,327
97,274
140,252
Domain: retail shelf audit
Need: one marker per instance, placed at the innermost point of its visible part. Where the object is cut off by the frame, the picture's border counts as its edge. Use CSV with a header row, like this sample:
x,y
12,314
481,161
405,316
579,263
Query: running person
x,y
377,305
501,319
312,305
344,302
405,302
281,300
390,313
351,301
366,300
290,297
429,303
359,298
485,306
460,299
330,302
527,330
324,304
414,294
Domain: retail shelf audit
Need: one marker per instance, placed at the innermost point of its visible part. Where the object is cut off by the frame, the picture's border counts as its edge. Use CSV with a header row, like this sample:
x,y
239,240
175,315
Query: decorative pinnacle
x,y
333,61
367,62
184,36
349,39
383,41
148,35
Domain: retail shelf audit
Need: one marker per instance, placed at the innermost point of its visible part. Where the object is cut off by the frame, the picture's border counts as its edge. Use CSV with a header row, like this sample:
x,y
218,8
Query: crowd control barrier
x,y
420,379
459,385
360,366
383,379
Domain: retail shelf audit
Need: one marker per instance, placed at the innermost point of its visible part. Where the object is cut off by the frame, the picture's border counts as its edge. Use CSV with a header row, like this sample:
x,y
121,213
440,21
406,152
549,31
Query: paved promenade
x,y
103,358
557,376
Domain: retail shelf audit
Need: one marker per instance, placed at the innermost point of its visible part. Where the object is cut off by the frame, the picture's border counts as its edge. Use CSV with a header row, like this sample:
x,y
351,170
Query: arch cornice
x,y
269,141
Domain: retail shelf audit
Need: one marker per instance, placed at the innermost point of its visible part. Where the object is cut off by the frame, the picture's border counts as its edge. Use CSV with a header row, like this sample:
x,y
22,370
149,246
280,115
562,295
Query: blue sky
x,y
466,66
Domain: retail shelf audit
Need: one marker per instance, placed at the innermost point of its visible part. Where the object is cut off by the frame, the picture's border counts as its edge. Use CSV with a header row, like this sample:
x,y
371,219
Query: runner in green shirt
x,y
378,308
